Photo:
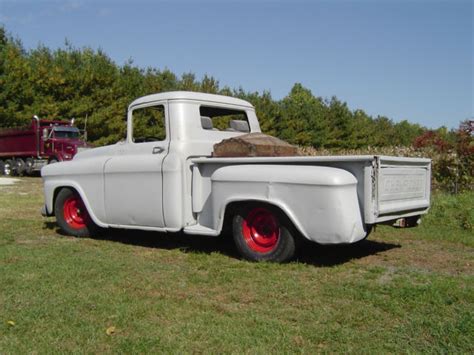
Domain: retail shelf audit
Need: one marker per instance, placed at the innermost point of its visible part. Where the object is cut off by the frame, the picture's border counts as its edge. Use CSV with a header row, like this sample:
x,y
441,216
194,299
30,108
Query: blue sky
x,y
403,59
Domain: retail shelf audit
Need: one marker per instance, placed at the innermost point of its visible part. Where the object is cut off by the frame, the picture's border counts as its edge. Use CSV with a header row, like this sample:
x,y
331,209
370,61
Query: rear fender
x,y
229,205
321,202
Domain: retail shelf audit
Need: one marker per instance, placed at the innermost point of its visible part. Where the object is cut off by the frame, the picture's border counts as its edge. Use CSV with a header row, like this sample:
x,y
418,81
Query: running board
x,y
200,230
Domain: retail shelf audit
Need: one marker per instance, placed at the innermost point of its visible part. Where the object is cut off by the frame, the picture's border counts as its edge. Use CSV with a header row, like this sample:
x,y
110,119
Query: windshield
x,y
66,132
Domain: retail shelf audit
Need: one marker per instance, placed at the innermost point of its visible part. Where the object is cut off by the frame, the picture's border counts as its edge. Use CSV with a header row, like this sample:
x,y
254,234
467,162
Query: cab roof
x,y
189,95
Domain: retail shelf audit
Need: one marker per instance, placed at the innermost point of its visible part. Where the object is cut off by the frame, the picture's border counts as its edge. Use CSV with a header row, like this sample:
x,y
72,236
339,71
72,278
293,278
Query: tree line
x,y
86,83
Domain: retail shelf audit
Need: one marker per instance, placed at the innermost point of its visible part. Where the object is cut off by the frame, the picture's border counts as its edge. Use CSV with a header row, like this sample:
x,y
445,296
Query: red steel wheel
x,y
261,230
75,213
263,233
72,215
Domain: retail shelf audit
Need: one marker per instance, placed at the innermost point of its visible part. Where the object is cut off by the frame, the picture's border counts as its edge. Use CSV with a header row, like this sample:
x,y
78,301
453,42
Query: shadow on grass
x,y
168,241
309,253
331,255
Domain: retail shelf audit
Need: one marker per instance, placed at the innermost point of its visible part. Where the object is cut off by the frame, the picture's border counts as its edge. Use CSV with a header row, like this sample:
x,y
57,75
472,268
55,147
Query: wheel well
x,y
57,191
233,206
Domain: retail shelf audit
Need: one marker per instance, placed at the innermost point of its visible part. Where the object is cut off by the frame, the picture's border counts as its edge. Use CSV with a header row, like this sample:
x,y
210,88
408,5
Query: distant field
x,y
402,290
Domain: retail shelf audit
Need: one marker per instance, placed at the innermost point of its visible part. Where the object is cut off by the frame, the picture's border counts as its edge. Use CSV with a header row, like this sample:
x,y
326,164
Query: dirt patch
x,y
8,181
427,256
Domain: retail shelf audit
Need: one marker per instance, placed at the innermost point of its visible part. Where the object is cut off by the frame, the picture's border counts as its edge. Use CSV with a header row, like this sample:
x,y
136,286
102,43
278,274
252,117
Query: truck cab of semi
x,y
61,142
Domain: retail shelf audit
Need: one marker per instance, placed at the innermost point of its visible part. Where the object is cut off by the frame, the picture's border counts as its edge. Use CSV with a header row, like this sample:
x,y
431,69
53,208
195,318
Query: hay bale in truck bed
x,y
254,145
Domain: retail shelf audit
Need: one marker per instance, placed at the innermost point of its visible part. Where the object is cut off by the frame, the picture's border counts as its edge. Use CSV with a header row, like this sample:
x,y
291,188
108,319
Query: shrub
x,y
452,156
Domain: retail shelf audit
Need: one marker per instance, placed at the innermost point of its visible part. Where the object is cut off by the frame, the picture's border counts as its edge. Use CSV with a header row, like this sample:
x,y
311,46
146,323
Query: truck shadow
x,y
172,241
332,255
309,253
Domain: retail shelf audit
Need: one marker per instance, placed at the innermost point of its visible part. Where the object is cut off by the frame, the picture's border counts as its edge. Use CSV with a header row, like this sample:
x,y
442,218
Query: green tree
x,y
86,84
340,122
302,120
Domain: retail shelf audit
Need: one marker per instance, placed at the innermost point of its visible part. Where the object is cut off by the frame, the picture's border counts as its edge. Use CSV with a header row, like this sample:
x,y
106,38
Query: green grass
x,y
402,290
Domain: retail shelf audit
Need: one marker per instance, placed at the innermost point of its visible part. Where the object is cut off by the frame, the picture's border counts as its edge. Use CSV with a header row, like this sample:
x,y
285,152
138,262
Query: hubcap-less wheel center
x,y
75,213
261,230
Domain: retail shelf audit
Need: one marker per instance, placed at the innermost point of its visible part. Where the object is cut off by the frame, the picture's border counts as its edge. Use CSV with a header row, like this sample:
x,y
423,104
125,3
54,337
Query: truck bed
x,y
18,142
388,188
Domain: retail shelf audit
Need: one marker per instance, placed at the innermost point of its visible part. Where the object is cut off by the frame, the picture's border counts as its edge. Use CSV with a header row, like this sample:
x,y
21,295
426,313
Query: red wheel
x,y
261,230
72,215
262,233
75,213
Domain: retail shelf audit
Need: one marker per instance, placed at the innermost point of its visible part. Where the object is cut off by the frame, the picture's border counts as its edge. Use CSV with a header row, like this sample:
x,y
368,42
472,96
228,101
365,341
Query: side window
x,y
223,119
149,124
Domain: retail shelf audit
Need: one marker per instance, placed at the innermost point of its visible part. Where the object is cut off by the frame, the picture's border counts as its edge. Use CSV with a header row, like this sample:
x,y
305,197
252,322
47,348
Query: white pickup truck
x,y
164,177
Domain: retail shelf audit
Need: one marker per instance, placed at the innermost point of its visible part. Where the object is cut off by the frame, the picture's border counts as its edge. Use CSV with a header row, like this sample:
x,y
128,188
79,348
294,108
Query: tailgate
x,y
402,187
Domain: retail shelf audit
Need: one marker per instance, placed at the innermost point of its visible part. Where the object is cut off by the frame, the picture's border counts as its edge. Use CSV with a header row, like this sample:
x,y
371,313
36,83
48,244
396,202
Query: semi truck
x,y
166,177
27,149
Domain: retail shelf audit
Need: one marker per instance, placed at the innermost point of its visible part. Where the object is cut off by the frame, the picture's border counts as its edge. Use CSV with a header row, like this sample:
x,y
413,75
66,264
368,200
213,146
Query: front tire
x,y
72,215
263,233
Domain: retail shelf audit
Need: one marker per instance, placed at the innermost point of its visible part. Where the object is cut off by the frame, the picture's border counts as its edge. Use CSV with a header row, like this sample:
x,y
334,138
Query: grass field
x,y
402,290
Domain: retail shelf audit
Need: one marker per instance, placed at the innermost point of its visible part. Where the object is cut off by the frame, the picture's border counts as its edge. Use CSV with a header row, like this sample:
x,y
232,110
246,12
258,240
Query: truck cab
x,y
60,142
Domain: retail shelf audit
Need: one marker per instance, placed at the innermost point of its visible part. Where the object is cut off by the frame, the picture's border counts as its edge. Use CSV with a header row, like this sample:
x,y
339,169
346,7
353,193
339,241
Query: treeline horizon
x,y
86,83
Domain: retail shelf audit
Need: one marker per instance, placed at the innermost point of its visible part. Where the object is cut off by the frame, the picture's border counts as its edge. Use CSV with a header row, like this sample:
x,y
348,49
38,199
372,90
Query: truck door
x,y
133,179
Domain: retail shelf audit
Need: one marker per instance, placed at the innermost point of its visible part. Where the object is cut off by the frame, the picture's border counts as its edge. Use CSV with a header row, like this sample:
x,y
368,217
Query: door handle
x,y
157,150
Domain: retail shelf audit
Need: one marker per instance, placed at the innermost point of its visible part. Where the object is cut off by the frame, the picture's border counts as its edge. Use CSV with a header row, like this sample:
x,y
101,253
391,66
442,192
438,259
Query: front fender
x,y
85,176
320,201
51,188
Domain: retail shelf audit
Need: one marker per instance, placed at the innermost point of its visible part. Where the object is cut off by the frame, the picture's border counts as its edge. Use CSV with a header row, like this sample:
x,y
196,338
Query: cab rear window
x,y
223,119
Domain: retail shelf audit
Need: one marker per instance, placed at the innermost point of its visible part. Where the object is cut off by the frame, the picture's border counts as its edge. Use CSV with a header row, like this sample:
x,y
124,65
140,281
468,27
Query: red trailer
x,y
28,149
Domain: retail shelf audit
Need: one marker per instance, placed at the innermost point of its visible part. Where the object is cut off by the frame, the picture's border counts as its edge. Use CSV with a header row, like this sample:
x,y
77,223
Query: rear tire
x,y
2,167
20,166
8,168
29,162
263,233
72,215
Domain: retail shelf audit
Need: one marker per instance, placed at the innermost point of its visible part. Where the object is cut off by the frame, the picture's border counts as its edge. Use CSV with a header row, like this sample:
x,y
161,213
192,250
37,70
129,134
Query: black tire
x,y
8,168
2,167
263,233
72,216
20,166
53,161
29,162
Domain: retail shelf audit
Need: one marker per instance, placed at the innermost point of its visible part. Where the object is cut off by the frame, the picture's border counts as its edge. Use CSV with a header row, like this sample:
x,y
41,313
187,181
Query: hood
x,y
96,152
